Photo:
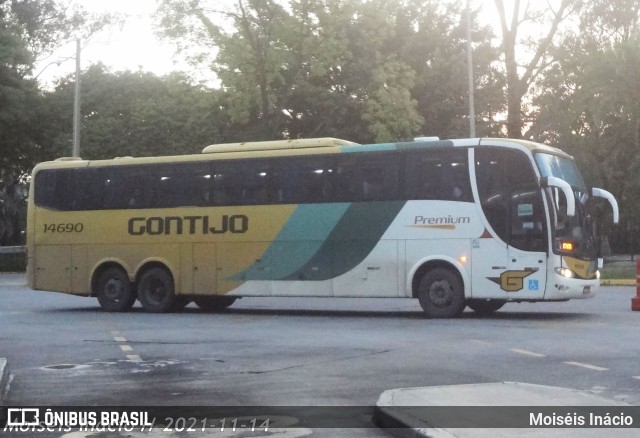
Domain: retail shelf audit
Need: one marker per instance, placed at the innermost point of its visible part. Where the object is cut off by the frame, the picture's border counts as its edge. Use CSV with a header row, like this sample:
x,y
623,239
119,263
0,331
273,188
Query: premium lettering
x,y
154,226
444,220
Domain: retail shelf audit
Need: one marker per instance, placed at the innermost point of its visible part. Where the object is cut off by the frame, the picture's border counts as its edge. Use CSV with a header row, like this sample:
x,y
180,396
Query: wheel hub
x,y
440,293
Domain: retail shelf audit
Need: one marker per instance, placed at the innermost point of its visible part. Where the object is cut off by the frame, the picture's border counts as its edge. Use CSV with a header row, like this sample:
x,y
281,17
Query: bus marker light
x,y
567,246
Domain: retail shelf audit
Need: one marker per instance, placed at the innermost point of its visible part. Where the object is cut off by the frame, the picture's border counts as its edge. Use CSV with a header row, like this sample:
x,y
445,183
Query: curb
x,y
4,379
618,282
427,411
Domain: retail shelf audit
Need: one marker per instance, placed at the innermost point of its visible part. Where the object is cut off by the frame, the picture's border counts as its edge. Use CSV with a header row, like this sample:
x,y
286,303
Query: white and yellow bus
x,y
453,223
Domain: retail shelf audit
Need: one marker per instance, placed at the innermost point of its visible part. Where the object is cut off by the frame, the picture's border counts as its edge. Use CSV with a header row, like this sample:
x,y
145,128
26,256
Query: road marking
x,y
587,366
636,377
528,353
117,336
134,358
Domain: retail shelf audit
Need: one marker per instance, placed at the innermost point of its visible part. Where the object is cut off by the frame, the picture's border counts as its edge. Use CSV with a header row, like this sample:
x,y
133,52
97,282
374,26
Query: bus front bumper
x,y
562,288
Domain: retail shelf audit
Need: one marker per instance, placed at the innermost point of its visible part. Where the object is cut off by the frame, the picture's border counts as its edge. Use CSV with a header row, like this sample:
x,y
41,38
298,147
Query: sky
x,y
132,47
135,45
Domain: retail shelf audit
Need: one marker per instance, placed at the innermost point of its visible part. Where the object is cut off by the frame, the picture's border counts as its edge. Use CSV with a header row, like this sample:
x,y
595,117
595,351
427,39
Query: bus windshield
x,y
573,235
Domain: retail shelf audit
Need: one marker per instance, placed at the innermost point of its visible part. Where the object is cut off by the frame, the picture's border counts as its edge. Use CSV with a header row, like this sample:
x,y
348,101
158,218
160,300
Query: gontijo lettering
x,y
237,223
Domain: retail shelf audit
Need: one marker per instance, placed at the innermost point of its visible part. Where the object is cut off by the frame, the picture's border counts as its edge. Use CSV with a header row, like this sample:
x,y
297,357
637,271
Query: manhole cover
x,y
64,366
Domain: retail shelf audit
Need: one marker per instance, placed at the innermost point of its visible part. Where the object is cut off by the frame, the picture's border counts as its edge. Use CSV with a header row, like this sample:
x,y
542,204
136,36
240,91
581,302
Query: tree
x,y
29,29
135,113
588,105
520,77
376,70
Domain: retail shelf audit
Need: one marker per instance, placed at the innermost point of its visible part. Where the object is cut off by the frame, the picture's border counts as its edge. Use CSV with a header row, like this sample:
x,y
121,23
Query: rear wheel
x,y
485,307
114,291
210,303
441,294
156,291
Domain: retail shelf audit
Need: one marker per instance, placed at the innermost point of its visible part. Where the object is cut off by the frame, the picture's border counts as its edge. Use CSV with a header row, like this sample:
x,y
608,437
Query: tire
x,y
210,303
441,294
485,307
156,291
114,291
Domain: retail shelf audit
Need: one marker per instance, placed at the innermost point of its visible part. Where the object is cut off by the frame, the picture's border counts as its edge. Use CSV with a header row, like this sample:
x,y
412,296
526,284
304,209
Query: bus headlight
x,y
565,272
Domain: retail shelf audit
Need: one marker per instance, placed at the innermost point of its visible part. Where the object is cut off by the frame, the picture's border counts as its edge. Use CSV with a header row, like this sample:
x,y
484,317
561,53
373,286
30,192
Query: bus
x,y
452,223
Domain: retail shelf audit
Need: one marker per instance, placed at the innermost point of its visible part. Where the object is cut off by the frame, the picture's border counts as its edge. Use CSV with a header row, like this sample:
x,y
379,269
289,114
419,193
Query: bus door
x,y
512,253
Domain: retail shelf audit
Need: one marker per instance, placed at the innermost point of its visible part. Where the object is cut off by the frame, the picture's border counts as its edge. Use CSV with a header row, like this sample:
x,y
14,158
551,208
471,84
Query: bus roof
x,y
277,144
305,146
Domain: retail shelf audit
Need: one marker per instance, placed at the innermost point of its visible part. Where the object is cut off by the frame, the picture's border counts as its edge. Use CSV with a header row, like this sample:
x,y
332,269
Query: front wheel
x,y
114,291
441,294
156,291
485,307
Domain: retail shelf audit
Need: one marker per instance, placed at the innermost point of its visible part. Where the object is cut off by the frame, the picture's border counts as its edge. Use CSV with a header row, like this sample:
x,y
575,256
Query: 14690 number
x,y
64,228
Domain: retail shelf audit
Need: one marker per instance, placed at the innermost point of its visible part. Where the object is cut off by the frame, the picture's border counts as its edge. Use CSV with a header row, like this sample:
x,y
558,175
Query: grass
x,y
619,271
13,262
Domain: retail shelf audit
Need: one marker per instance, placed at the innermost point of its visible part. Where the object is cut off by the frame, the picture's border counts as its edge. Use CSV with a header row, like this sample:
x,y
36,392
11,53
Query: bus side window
x,y
186,187
86,189
227,183
346,182
438,174
127,187
510,197
309,182
53,189
255,183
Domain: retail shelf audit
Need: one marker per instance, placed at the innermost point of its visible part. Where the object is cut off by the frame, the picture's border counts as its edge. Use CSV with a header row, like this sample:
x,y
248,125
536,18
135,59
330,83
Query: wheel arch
x,y
429,263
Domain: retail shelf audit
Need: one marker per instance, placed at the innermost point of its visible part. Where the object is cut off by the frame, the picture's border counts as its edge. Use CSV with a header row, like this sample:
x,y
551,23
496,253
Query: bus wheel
x,y
214,303
156,291
485,307
114,291
441,294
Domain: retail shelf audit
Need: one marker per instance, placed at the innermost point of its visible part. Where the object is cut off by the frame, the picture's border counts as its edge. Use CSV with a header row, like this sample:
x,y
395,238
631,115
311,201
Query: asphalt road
x,y
62,350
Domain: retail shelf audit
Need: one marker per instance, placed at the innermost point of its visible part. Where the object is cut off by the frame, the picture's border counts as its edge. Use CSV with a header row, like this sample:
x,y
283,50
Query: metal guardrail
x,y
13,249
621,258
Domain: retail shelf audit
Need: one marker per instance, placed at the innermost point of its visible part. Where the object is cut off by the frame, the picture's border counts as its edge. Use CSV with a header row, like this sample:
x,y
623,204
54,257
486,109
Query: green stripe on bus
x,y
369,148
353,238
299,240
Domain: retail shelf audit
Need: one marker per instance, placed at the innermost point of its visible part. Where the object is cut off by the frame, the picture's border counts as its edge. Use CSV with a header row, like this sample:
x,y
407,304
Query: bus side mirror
x,y
552,181
599,193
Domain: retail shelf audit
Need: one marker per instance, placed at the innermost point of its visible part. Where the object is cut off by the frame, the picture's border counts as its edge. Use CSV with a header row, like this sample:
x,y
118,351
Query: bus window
x,y
308,180
510,197
86,189
364,178
127,187
69,189
255,183
53,188
182,186
440,174
227,183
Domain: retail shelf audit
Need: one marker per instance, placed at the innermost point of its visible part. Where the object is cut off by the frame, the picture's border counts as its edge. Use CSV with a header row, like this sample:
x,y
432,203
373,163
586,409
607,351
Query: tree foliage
x,y
564,72
588,104
29,29
351,68
135,113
